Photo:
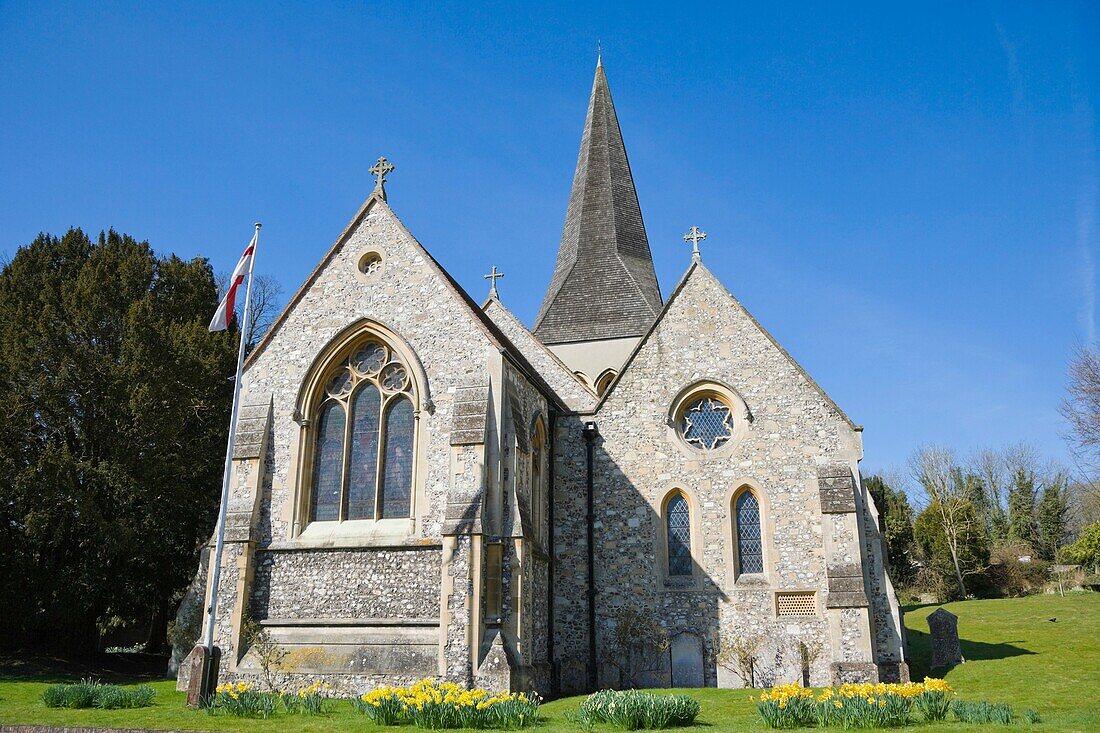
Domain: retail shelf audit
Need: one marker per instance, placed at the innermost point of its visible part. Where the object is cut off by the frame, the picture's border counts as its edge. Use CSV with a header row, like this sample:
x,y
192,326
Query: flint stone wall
x,y
370,583
794,430
410,298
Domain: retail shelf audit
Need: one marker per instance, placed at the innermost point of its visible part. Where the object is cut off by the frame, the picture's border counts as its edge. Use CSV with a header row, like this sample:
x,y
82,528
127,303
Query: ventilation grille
x,y
796,604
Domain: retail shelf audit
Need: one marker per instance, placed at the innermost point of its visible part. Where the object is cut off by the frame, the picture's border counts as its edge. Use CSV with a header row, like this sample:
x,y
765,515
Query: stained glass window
x,y
707,423
328,462
366,400
369,357
750,549
363,462
397,460
679,536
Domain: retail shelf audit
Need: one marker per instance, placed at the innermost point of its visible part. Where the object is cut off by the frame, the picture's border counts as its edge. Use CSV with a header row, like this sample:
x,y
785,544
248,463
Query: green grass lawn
x,y
1014,653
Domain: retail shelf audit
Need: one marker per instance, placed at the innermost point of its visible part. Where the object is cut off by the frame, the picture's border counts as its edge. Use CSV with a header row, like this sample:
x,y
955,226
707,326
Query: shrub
x,y
634,710
1007,577
982,711
439,705
1031,715
92,694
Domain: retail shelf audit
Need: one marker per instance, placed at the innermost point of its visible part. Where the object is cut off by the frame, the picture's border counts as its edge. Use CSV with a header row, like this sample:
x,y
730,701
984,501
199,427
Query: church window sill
x,y
280,622
356,534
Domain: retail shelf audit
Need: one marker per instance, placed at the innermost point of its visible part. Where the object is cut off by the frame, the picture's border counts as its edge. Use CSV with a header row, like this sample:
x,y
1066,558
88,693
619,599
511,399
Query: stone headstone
x,y
202,674
687,661
944,628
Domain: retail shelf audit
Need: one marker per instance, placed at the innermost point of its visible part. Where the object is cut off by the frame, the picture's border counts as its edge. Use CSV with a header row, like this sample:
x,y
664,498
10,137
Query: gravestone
x,y
687,661
202,675
944,627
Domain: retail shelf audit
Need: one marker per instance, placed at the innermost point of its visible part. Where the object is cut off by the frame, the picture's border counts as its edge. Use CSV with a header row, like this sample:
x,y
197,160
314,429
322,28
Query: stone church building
x,y
624,494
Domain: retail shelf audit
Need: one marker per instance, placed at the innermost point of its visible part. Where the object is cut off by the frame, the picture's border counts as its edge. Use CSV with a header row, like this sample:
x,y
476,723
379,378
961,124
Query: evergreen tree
x,y
1051,518
896,525
115,401
1086,550
971,488
1021,508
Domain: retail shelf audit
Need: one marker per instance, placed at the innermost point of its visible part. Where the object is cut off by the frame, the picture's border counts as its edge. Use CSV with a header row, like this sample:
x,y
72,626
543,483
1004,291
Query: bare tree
x,y
266,301
1081,407
934,468
270,655
992,468
737,653
640,645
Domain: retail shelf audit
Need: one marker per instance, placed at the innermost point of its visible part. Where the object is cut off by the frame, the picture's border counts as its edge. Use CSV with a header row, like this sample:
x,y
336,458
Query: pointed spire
x,y
604,285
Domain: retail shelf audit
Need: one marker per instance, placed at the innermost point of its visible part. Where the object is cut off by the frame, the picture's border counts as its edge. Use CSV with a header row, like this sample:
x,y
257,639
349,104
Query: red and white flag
x,y
224,314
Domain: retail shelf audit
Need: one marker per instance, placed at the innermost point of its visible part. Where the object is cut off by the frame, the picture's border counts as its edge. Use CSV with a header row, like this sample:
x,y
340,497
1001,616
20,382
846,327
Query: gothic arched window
x,y
750,545
537,493
678,535
363,437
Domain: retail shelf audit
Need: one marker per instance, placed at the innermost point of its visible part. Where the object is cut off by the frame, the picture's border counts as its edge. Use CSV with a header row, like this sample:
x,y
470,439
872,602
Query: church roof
x,y
570,388
604,285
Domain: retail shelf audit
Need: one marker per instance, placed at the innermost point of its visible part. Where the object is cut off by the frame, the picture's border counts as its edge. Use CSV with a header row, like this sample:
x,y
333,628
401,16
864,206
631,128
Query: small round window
x,y
706,423
370,263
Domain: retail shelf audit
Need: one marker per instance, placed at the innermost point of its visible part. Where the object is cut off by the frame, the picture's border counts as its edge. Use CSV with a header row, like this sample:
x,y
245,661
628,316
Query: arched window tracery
x,y
363,436
678,535
538,440
750,544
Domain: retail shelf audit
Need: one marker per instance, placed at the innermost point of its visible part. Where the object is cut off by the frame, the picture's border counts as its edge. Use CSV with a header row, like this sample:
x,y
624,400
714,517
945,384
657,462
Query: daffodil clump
x,y
438,705
90,693
242,699
870,705
636,710
309,700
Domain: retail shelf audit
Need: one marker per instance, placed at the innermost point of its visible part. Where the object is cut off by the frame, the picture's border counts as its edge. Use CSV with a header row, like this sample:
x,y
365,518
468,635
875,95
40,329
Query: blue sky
x,y
906,198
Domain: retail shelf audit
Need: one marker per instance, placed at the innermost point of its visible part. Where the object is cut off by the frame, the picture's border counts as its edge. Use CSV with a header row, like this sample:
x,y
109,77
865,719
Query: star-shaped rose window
x,y
707,423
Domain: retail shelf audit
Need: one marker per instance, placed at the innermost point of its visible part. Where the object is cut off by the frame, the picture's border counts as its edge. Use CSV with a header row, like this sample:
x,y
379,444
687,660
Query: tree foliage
x,y
896,524
950,527
115,401
957,550
1081,407
1021,508
1050,518
1086,550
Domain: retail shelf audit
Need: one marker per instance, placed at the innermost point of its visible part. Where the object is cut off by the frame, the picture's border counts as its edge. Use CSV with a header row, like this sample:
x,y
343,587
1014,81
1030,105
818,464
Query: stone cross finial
x,y
493,277
695,235
380,170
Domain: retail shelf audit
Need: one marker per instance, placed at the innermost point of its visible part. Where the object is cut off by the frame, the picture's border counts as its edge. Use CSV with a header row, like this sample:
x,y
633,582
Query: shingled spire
x,y
604,286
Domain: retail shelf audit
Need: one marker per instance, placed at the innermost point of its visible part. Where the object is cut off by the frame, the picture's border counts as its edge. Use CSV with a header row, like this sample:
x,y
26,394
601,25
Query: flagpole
x,y
215,576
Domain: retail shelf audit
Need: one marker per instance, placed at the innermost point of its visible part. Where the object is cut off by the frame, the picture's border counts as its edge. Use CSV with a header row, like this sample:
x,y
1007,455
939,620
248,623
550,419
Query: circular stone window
x,y
706,422
370,264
